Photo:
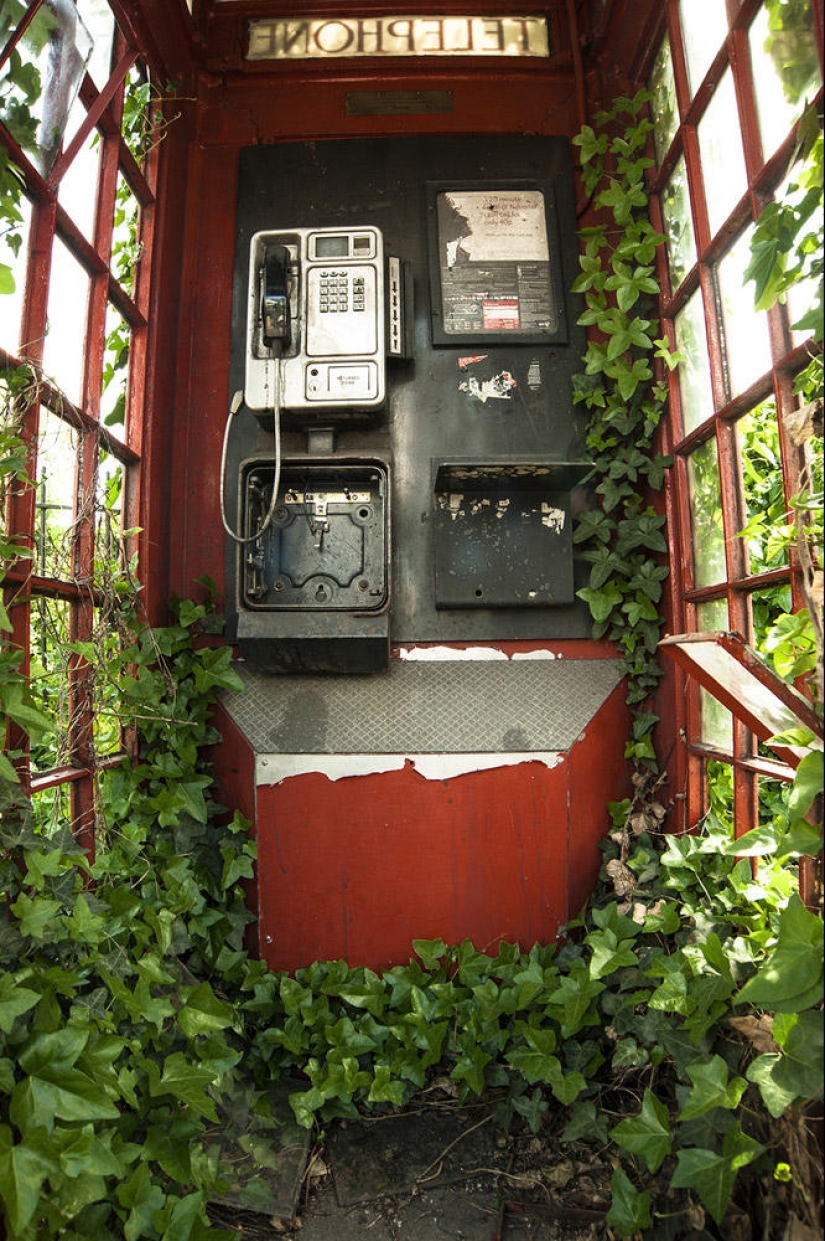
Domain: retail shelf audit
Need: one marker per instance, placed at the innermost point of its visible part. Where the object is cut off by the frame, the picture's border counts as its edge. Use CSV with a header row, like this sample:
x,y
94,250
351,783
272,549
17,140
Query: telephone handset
x,y
274,297
316,327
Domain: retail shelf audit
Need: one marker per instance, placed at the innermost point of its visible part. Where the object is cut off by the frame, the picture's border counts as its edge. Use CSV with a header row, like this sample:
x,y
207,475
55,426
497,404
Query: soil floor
x,y
427,1175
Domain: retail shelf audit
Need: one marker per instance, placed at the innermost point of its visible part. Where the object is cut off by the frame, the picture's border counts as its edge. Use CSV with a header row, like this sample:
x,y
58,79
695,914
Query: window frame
x,y
24,586
739,585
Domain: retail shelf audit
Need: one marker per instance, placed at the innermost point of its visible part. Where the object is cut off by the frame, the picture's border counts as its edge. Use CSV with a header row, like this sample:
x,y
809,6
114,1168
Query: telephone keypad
x,y
334,292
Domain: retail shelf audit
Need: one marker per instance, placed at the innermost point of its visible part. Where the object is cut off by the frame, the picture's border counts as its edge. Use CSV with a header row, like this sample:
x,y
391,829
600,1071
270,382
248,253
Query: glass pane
x,y
14,255
694,371
764,496
785,66
55,49
773,802
767,605
706,515
723,159
125,244
137,126
98,19
21,81
109,521
678,225
115,373
51,810
106,720
747,340
704,29
715,721
66,323
56,457
78,188
663,106
719,792
804,297
49,683
804,301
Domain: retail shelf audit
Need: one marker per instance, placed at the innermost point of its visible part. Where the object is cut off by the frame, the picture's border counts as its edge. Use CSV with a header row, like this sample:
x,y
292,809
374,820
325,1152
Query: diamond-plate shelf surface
x,y
441,707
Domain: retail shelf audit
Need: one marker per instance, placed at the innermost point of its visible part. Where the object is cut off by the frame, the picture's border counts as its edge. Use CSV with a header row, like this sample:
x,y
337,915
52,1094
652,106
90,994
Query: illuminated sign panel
x,y
295,38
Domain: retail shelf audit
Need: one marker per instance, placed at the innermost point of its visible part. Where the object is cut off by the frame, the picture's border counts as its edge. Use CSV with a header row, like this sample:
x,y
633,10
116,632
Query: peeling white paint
x,y
448,653
499,388
536,655
554,518
454,502
271,769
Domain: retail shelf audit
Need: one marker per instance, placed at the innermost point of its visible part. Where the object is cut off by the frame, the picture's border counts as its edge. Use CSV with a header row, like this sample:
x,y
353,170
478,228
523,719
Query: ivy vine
x,y
622,538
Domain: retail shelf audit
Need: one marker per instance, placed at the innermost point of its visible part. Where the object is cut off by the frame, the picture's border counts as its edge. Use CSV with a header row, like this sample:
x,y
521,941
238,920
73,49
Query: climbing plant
x,y
786,257
625,397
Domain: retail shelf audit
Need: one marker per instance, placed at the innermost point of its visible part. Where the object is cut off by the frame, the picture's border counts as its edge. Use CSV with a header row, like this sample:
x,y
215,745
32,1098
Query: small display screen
x,y
332,247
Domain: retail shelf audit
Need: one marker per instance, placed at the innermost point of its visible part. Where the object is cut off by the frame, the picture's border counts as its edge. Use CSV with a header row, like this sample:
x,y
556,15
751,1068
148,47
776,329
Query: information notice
x,y
494,262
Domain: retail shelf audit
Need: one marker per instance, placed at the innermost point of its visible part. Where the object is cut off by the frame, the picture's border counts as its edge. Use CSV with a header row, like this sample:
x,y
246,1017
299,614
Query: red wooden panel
x,y
598,773
360,867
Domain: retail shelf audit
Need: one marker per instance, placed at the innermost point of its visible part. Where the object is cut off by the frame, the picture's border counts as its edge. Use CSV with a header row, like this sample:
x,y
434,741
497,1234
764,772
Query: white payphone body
x,y
316,333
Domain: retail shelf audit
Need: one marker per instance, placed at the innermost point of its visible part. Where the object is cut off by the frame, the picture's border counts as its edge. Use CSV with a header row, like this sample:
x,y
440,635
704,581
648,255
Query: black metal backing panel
x,y
325,546
433,410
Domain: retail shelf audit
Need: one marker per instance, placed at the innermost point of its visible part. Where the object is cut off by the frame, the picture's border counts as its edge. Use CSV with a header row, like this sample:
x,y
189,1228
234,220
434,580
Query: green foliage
x,y
131,1015
116,1030
623,539
20,88
787,244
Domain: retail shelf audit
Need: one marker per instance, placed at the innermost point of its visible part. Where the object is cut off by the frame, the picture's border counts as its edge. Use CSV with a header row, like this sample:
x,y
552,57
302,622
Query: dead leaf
x,y
319,1169
797,1231
559,1175
757,1030
624,880
738,1226
802,423
696,1217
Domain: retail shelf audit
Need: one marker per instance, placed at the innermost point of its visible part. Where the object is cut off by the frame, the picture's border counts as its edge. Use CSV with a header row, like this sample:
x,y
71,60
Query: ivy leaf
x,y
795,1073
7,284
470,1068
712,1174
601,602
711,1088
590,143
14,1001
60,1092
807,784
18,708
608,953
305,1103
84,1153
144,1200
792,977
629,1210
23,1168
647,1134
203,1012
776,1094
383,1089
183,1080
430,951
36,916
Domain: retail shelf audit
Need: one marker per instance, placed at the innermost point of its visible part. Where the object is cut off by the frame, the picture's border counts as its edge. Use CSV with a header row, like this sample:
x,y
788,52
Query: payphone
x,y
316,339
324,310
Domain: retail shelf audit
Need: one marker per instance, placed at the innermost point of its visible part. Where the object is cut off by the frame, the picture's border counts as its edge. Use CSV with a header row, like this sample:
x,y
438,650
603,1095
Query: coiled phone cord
x,y
237,402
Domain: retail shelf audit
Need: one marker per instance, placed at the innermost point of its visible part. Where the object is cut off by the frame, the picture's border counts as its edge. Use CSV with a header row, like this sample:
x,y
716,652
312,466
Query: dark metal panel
x,y
433,410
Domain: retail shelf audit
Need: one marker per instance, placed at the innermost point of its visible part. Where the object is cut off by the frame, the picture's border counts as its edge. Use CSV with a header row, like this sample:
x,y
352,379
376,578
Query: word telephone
x,y
316,332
